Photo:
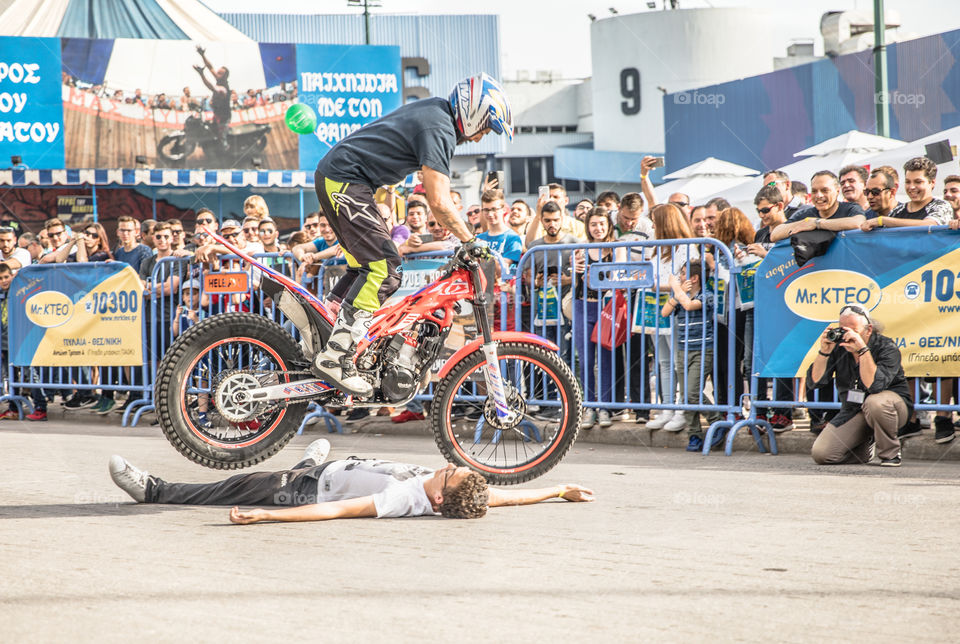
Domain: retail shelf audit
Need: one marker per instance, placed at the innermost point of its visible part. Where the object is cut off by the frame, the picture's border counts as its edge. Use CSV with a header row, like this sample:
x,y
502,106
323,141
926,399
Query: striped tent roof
x,y
165,178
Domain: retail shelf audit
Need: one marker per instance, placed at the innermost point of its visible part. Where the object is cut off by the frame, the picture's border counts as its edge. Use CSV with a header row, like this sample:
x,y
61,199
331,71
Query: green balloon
x,y
301,118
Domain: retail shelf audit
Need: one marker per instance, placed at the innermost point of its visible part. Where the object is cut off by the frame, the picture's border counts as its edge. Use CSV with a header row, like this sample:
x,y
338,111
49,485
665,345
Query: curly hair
x,y
468,500
734,226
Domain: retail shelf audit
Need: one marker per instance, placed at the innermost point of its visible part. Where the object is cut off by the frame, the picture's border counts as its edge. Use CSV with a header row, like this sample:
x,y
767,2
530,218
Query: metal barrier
x,y
562,292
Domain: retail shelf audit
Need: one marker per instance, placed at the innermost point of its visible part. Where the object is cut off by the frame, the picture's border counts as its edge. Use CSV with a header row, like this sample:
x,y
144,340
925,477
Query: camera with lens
x,y
835,334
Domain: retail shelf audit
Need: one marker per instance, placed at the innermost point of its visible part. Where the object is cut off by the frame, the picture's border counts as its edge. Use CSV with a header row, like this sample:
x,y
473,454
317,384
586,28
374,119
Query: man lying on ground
x,y
319,490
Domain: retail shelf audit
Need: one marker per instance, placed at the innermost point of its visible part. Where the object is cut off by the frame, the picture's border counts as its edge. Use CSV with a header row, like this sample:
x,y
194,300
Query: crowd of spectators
x,y
676,342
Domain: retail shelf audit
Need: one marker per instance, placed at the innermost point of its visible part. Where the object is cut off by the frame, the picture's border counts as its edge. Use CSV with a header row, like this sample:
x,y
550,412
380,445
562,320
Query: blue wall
x,y
761,121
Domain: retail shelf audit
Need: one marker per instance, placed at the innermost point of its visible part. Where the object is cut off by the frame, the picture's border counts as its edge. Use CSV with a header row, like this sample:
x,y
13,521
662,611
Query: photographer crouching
x,y
871,387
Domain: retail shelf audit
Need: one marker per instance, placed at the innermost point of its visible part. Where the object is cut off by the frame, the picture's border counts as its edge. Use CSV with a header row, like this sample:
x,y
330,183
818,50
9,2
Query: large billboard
x,y
82,103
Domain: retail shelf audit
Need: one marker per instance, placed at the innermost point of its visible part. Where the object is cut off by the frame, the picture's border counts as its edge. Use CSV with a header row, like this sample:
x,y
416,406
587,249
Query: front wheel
x,y
198,380
539,387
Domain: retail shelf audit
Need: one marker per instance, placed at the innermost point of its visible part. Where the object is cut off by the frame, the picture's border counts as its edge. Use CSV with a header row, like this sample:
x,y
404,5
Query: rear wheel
x,y
539,387
198,380
175,147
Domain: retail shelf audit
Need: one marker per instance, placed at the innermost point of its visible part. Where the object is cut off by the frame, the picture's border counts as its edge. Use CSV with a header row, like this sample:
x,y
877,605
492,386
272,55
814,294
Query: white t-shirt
x,y
397,488
22,255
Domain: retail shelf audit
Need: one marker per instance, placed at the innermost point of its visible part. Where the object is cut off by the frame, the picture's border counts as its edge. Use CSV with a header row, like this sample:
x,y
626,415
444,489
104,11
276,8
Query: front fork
x,y
491,370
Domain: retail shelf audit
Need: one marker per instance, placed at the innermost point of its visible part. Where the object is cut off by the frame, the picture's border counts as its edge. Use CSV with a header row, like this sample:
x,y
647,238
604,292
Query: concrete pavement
x,y
678,547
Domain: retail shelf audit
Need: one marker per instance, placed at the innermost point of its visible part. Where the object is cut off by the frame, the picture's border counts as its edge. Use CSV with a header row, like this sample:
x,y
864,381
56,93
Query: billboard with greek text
x,y
908,281
127,103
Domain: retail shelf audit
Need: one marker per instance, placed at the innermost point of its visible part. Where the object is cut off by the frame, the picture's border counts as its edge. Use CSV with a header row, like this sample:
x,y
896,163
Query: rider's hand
x,y
247,516
198,69
575,493
201,50
476,248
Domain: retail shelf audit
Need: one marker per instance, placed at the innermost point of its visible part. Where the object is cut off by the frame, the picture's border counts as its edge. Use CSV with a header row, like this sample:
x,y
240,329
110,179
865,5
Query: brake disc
x,y
229,399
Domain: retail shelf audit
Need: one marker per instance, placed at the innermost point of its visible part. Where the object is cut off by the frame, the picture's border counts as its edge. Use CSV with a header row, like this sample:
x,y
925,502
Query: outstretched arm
x,y
348,509
574,493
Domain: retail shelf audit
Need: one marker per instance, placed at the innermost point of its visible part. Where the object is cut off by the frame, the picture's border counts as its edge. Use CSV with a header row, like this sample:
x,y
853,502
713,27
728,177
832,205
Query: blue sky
x,y
555,34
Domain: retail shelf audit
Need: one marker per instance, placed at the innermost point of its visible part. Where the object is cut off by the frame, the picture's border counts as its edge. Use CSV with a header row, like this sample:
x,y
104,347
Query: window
x,y
518,176
534,174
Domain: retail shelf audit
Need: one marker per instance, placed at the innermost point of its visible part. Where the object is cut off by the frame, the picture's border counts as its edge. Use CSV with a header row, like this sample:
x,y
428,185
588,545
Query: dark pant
x,y
373,261
297,486
782,390
636,358
722,356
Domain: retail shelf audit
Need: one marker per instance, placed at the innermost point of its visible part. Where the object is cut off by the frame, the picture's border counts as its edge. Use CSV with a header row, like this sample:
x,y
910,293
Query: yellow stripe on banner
x,y
368,299
98,330
330,186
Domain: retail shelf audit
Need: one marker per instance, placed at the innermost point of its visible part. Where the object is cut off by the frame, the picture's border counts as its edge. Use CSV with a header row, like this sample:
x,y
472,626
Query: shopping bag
x,y
611,329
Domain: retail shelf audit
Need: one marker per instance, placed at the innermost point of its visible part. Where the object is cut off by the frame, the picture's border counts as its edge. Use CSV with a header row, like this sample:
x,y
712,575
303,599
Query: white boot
x,y
335,362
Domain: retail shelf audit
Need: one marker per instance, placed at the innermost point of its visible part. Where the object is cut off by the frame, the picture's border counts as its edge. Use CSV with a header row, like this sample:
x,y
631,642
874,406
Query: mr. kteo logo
x,y
49,309
820,296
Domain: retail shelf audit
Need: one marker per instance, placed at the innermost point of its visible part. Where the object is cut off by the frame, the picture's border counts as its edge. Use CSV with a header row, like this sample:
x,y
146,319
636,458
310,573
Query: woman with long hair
x,y
595,362
669,223
95,246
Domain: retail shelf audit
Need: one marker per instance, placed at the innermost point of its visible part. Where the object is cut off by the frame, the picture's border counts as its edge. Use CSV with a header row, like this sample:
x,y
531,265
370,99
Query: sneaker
x,y
781,423
623,416
106,406
718,438
677,424
800,413
317,451
37,414
661,419
80,400
695,444
128,478
97,406
358,413
641,416
203,421
817,427
406,416
923,417
911,428
944,430
588,419
10,414
603,418
896,461
119,409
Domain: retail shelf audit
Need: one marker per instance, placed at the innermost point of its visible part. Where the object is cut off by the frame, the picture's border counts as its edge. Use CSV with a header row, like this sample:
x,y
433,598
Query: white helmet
x,y
479,102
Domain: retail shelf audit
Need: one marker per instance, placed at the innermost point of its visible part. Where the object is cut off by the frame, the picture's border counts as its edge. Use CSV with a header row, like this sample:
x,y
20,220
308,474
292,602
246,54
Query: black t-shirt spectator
x,y
421,133
844,209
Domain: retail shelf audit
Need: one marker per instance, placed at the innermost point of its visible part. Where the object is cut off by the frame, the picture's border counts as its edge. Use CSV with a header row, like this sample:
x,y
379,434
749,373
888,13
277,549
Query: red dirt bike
x,y
232,390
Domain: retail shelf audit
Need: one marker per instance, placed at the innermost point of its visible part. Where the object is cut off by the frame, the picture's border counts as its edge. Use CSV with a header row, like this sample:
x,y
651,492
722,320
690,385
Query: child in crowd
x,y
189,312
693,311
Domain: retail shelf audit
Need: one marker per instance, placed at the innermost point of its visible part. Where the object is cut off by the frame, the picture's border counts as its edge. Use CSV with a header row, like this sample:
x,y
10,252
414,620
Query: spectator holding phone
x,y
568,225
873,391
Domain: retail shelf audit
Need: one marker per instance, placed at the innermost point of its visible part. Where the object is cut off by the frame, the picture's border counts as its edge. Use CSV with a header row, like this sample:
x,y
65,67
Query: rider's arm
x,y
500,497
437,186
347,509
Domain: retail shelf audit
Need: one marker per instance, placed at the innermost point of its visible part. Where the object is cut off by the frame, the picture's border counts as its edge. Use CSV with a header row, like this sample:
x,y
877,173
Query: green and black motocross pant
x,y
373,261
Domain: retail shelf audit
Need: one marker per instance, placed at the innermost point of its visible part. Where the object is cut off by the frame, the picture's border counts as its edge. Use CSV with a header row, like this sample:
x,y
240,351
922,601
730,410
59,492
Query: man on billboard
x,y
220,94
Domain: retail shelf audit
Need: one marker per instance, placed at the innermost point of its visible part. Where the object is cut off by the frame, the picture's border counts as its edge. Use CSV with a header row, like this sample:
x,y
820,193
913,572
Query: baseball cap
x,y
230,223
190,284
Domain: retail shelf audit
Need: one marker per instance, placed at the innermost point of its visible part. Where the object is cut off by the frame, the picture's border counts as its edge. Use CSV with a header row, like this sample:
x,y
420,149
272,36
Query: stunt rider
x,y
220,95
418,136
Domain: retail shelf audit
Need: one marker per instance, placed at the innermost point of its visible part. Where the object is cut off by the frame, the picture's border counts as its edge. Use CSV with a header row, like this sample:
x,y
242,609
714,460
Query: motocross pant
x,y
373,261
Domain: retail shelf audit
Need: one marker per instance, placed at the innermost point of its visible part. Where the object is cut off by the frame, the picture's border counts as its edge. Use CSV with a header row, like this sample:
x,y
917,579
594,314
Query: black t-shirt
x,y
938,210
762,236
421,133
844,209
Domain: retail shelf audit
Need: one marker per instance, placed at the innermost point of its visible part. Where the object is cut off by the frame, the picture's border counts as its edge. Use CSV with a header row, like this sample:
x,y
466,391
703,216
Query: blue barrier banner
x,y
64,315
348,86
908,280
31,109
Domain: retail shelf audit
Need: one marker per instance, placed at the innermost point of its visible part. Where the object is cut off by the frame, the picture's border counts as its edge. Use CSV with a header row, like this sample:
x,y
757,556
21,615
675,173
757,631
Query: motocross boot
x,y
335,363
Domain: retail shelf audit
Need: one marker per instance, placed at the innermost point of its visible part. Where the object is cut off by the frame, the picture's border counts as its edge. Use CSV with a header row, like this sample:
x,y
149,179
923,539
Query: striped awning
x,y
159,178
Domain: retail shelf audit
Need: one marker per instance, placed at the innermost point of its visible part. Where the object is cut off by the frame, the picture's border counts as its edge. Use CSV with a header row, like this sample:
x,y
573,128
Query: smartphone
x,y
426,238
544,192
658,162
495,179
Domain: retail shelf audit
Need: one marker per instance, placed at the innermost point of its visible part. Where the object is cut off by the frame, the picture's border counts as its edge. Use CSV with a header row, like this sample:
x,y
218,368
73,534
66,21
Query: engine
x,y
405,358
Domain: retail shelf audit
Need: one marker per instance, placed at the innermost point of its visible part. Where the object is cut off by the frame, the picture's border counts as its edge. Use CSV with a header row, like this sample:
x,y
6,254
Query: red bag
x,y
605,325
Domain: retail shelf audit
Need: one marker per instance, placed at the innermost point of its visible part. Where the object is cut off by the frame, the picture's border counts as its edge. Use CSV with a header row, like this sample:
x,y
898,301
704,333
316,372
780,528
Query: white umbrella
x,y
704,177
